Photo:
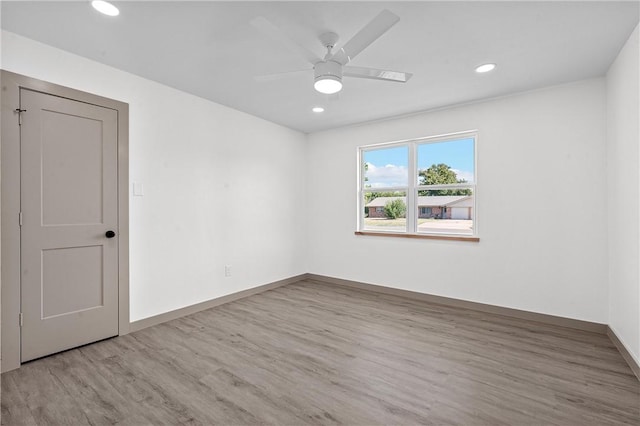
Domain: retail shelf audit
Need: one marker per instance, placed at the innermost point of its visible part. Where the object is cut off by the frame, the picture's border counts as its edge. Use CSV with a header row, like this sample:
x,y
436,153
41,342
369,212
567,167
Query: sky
x,y
388,166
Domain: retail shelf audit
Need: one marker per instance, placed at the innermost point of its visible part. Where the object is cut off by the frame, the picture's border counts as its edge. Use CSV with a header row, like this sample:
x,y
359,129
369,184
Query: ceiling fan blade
x,y
367,35
279,75
267,28
376,74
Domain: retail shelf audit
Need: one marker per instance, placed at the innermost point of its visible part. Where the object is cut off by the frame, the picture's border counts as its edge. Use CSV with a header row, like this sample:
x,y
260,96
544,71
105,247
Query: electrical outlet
x,y
227,270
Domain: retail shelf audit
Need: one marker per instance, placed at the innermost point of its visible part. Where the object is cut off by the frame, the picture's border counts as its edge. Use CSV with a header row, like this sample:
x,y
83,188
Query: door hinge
x,y
20,318
20,111
20,218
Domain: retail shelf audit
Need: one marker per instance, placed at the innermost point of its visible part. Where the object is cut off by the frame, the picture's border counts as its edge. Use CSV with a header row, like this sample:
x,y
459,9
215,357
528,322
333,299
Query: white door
x,y
69,204
460,213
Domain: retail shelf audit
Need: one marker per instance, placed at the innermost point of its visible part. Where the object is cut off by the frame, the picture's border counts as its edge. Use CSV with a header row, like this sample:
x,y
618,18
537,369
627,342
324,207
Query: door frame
x,y
10,84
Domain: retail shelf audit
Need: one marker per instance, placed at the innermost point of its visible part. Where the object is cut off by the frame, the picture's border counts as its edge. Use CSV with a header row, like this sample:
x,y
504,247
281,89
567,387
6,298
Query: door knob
x,y
110,234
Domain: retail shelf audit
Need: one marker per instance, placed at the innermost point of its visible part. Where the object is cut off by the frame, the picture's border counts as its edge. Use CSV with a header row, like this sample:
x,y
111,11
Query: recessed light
x,y
105,7
317,109
485,68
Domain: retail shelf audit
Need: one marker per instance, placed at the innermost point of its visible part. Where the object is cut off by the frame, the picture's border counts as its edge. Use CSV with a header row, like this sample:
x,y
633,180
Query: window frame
x,y
412,188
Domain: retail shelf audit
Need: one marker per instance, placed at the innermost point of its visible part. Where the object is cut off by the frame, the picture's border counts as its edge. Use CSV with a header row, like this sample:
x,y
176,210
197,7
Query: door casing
x,y
10,84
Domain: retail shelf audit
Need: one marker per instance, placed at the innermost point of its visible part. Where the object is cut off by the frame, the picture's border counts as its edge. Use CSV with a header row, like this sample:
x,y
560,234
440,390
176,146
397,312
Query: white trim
x,y
412,188
412,196
445,186
475,185
360,200
435,138
387,189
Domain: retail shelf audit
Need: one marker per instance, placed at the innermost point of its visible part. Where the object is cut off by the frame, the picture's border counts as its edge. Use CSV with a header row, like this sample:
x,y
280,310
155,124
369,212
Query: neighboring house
x,y
437,207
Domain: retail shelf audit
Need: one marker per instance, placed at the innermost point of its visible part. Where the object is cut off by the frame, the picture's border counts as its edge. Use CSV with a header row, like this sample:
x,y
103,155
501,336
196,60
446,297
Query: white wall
x,y
0,96
541,206
221,186
210,173
623,137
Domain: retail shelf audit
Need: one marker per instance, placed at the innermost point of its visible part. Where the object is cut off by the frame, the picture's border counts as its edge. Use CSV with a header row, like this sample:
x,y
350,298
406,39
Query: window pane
x,y
446,162
385,168
385,211
446,214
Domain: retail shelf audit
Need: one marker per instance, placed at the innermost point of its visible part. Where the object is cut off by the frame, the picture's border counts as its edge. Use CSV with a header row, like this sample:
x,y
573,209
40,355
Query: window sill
x,y
420,236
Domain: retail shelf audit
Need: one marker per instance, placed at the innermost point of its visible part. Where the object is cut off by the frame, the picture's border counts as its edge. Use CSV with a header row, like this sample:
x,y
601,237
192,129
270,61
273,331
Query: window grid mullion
x,y
412,193
388,189
447,186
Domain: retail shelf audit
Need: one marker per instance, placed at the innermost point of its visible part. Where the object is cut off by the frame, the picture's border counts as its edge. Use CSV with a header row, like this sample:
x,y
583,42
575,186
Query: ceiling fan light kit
x,y
328,85
328,77
328,72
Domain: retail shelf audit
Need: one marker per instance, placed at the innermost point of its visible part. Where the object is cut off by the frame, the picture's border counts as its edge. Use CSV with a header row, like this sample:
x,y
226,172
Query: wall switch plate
x,y
138,189
227,270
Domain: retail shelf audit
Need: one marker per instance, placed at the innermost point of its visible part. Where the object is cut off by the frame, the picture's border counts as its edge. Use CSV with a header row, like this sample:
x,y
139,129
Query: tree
x,y
440,174
395,209
437,174
366,178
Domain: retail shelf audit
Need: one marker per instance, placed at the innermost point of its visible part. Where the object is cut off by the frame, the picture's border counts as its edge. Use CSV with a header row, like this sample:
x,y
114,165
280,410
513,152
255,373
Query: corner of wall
x,y
623,194
307,233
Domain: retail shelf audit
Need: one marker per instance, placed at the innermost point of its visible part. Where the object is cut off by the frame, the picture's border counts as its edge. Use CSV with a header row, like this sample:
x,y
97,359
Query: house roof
x,y
429,201
465,202
382,201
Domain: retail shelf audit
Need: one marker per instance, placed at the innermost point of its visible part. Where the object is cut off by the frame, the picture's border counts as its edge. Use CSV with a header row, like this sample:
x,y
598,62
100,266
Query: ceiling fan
x,y
328,71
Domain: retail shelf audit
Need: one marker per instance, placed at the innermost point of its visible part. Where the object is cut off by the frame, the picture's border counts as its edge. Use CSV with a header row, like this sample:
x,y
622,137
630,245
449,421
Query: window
x,y
420,187
425,211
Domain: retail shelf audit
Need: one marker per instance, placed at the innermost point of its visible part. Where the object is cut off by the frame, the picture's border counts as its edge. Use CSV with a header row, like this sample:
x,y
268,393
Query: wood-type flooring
x,y
316,353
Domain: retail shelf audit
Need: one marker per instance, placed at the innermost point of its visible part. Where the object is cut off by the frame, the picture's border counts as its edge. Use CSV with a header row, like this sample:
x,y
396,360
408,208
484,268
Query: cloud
x,y
462,174
392,175
386,176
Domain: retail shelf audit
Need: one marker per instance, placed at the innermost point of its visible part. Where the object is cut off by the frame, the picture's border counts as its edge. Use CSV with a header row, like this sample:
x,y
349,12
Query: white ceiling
x,y
210,49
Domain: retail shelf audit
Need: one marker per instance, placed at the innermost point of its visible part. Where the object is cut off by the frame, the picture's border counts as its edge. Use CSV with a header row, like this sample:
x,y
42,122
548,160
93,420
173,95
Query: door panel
x,y
68,201
76,271
81,136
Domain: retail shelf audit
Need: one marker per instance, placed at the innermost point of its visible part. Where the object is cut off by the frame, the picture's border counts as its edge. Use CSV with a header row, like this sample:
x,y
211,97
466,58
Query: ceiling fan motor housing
x,y
328,69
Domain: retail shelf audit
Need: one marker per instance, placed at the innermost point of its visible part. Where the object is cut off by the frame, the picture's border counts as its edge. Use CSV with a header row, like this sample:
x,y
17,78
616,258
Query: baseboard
x,y
192,309
447,301
635,367
440,300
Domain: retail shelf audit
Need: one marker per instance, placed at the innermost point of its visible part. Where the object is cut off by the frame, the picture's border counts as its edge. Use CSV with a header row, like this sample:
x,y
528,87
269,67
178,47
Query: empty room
x,y
299,212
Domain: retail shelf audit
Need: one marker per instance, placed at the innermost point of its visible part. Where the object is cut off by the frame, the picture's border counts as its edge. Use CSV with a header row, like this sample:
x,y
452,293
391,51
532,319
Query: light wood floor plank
x,y
320,354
